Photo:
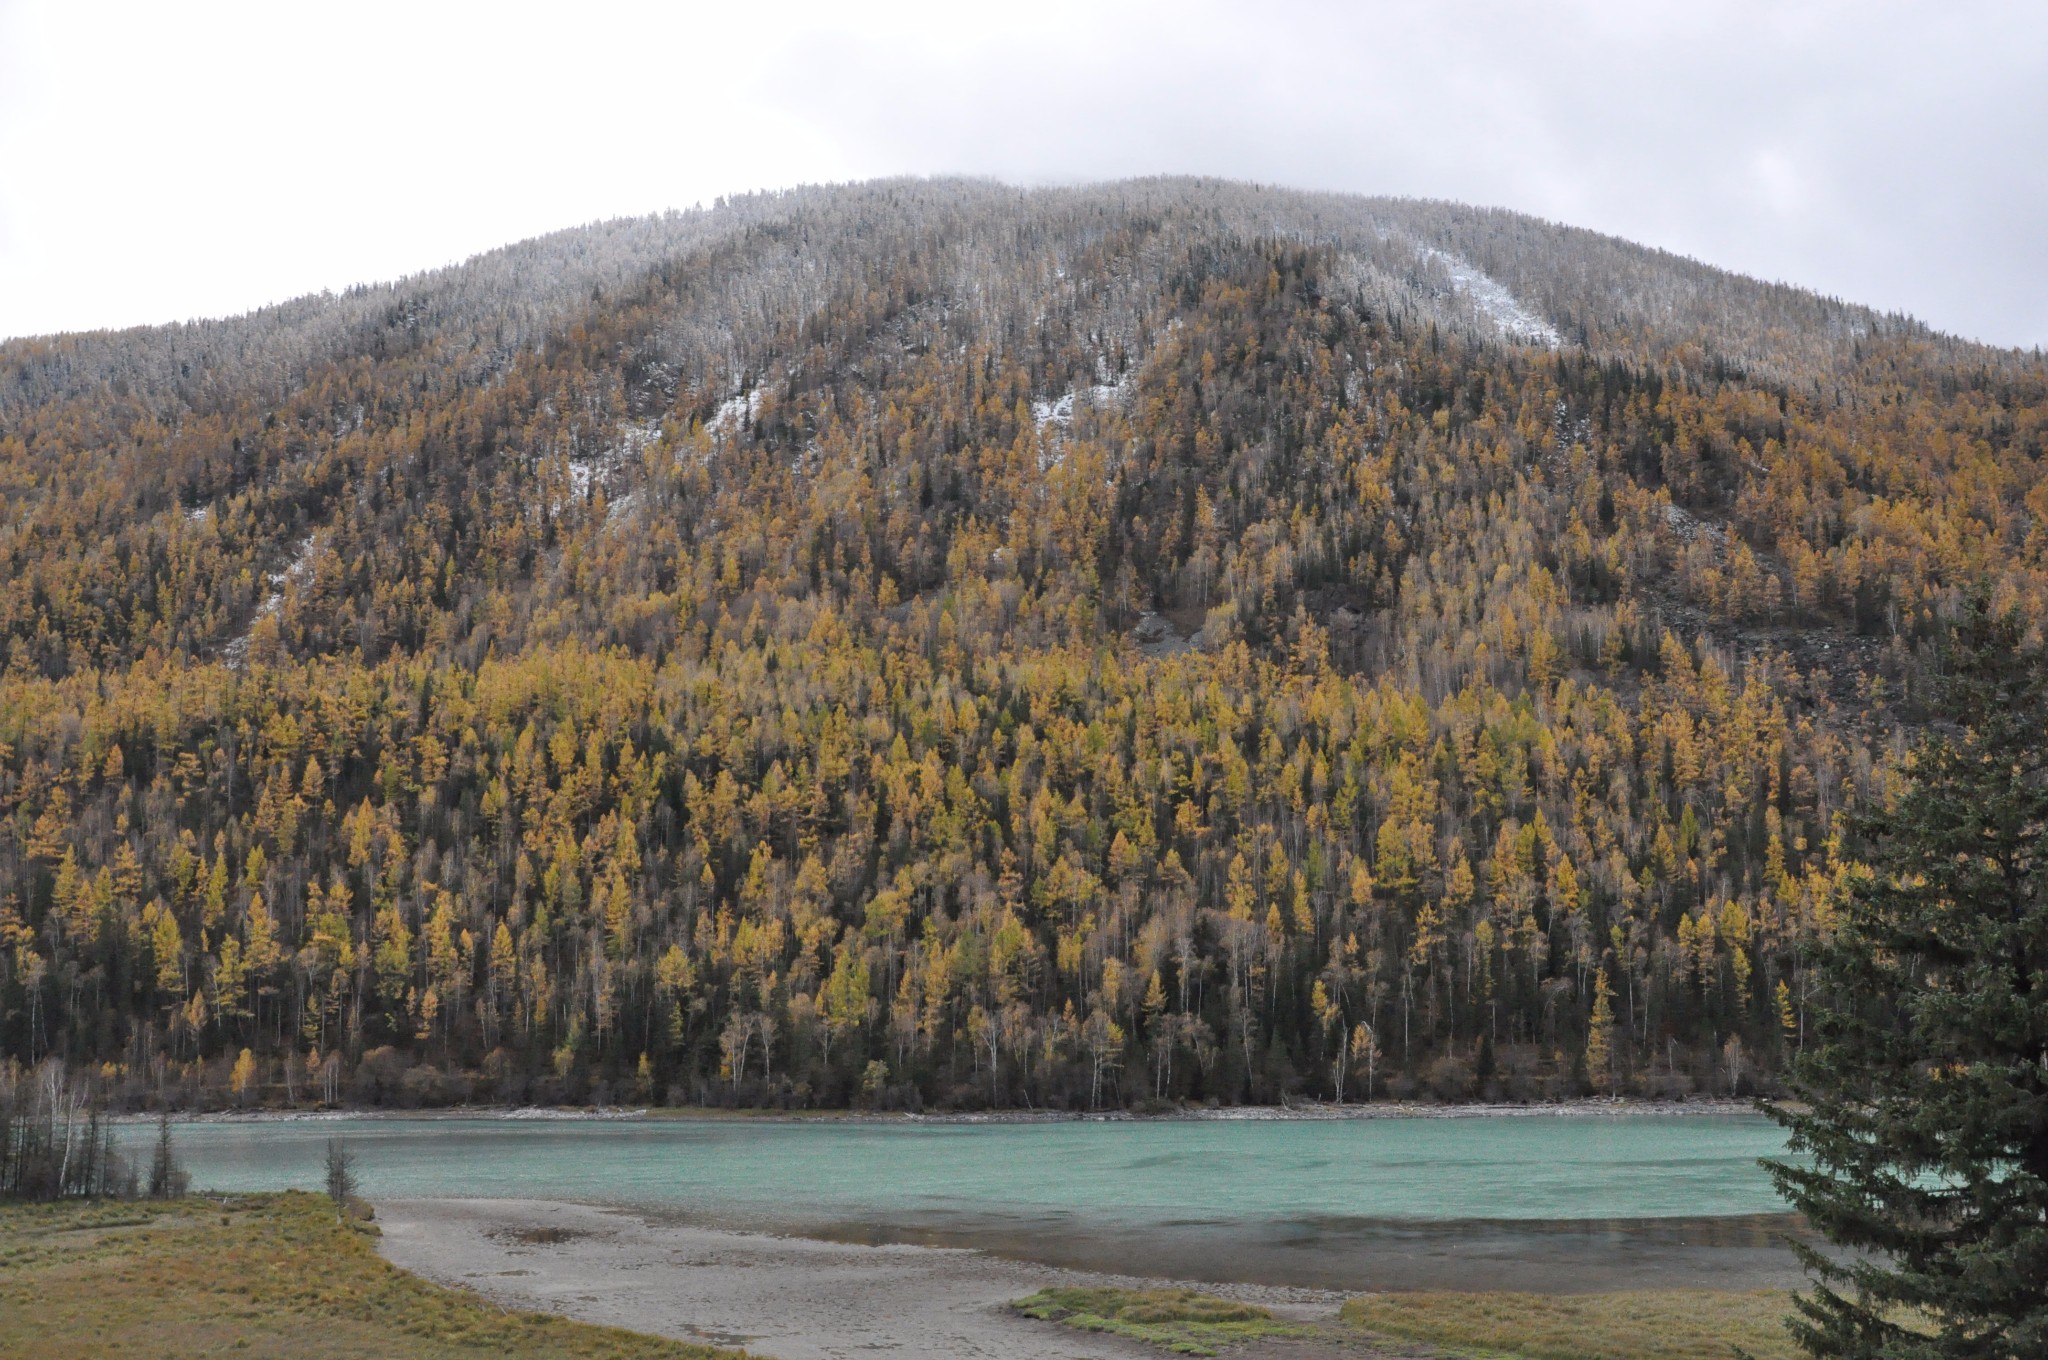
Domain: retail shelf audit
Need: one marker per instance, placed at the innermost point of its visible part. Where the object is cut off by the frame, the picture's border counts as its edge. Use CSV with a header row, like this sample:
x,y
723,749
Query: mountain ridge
x,y
936,644
677,230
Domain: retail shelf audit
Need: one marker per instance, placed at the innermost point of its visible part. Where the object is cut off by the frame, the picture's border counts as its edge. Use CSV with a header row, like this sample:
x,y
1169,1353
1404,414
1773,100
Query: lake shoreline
x,y
1594,1109
1052,1179
798,1296
785,1295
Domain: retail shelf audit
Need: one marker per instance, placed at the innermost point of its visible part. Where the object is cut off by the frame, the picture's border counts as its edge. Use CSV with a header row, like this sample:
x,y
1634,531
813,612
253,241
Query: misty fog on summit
x,y
199,160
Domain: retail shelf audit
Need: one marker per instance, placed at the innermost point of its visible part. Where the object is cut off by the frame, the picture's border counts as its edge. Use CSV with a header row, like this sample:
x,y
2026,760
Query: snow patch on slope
x,y
735,409
295,572
621,510
1056,412
1054,418
1059,411
604,466
1689,526
1491,299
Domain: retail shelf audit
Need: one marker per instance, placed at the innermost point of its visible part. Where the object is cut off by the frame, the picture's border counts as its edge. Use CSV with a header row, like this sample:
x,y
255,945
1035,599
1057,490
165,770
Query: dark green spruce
x,y
1924,1098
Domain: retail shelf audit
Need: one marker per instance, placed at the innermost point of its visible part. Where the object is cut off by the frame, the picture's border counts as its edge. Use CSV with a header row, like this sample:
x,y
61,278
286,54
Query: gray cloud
x,y
1886,153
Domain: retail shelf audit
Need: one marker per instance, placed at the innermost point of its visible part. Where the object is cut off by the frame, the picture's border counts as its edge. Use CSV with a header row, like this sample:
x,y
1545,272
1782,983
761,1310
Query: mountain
x,y
939,644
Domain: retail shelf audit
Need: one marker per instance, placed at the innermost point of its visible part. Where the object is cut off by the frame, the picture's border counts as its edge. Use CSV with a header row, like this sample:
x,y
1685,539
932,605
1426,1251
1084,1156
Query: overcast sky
x,y
161,161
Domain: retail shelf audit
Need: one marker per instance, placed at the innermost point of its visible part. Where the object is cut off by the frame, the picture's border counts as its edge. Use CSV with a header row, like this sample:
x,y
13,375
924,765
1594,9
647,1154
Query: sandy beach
x,y
800,1298
788,1297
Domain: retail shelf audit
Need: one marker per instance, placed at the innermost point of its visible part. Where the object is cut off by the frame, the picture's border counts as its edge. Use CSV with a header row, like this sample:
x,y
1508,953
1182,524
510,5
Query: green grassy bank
x,y
272,1275
1664,1324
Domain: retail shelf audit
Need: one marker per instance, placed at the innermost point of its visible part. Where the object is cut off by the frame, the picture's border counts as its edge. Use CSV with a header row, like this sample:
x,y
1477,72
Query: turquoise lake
x,y
1524,1167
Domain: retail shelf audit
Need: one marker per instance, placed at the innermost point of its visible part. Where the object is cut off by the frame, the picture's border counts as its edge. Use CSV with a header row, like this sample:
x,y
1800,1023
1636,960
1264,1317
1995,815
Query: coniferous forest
x,y
937,645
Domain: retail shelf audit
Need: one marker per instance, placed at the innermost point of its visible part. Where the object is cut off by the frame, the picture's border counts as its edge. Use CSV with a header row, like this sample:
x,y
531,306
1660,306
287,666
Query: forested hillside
x,y
934,644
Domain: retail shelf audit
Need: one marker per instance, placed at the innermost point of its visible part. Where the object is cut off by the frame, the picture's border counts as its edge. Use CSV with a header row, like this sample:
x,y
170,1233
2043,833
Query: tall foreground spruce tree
x,y
1926,1092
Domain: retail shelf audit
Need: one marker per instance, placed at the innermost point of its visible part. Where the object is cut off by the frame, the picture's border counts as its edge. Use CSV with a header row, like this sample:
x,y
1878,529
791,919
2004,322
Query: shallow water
x,y
1533,1201
1155,1172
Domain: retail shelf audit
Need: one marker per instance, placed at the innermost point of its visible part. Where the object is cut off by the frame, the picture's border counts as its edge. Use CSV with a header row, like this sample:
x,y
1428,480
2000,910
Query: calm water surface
x,y
1532,1167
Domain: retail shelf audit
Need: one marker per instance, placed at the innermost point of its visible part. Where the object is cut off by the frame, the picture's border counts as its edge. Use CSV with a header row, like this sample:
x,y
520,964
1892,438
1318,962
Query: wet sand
x,y
788,1297
1362,1255
938,1293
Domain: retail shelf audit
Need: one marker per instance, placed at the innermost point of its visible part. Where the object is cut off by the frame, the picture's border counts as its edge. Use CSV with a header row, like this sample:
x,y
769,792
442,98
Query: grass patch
x,y
1181,1320
263,1275
1648,1324
541,1237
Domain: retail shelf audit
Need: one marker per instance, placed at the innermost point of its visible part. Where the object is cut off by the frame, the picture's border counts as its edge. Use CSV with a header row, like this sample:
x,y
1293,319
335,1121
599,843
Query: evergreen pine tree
x,y
1925,1080
166,1179
341,1174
